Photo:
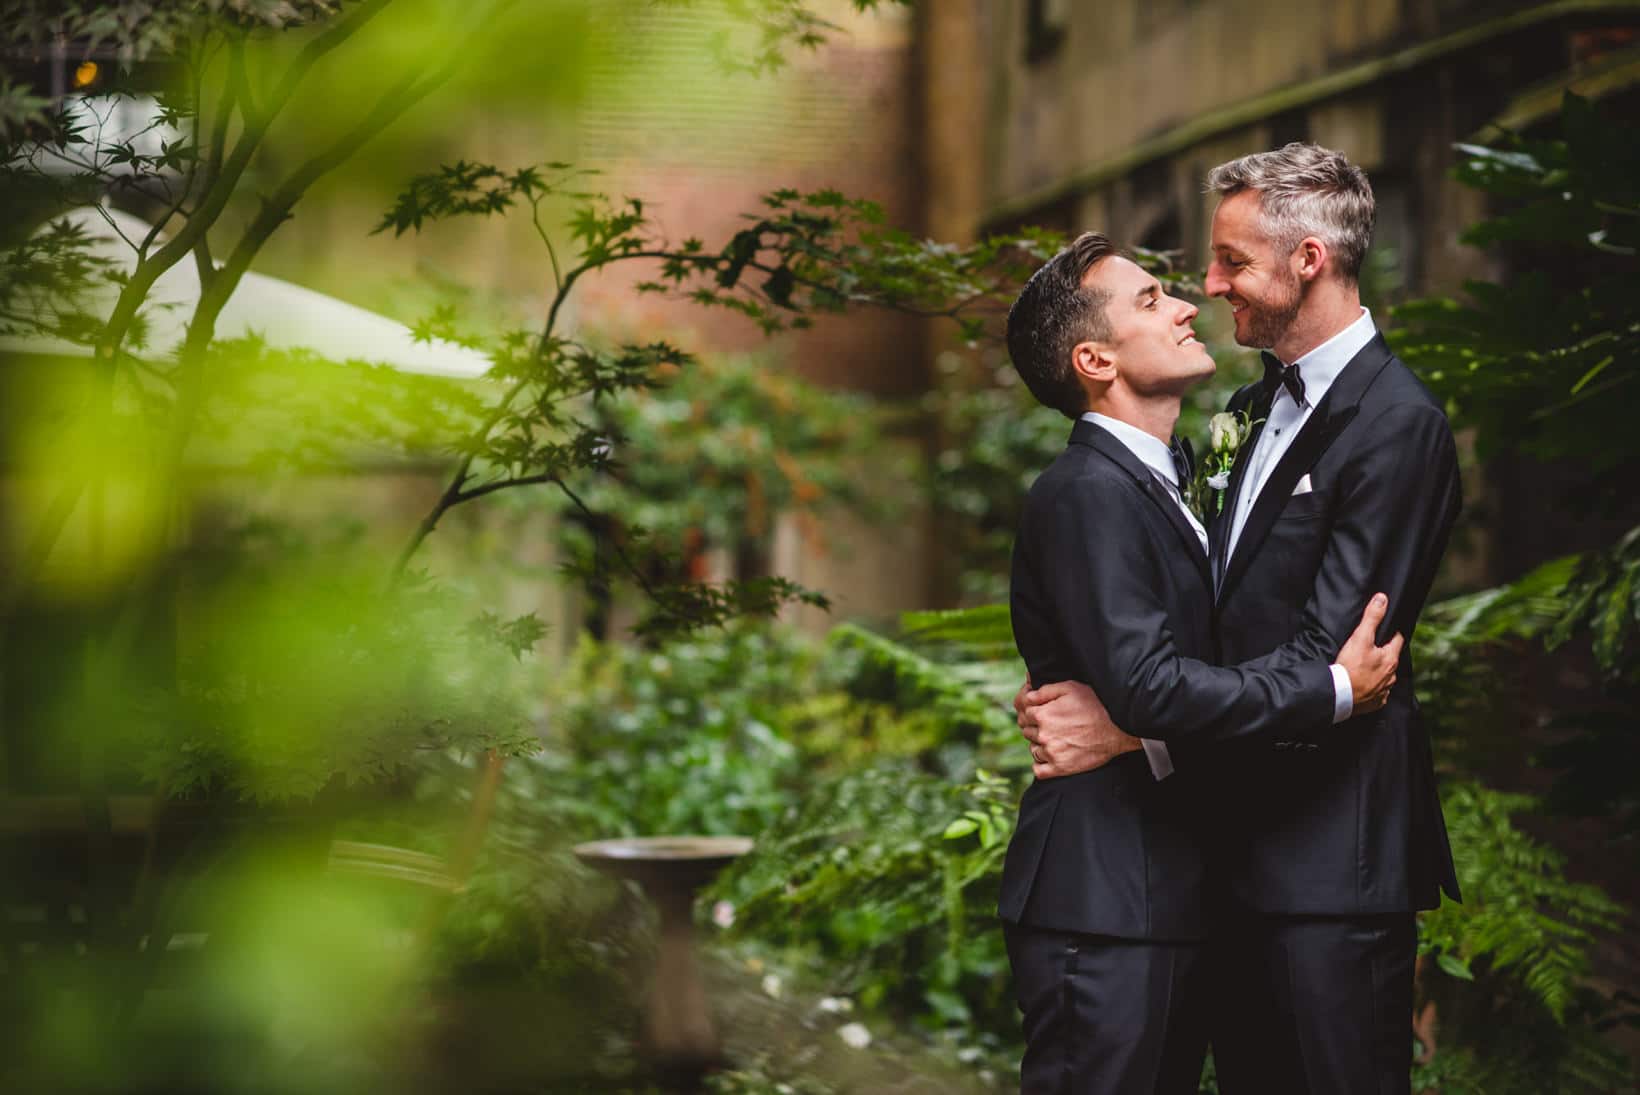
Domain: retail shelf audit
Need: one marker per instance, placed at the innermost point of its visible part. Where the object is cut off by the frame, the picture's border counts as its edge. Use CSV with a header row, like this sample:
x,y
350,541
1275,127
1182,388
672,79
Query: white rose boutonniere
x,y
1226,433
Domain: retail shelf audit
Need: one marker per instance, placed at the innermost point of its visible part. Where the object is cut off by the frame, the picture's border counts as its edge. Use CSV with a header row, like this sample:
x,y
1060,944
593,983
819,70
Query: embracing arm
x,y
1117,627
1071,731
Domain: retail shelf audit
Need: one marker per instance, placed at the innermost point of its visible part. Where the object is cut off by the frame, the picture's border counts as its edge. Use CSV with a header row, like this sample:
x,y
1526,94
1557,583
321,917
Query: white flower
x,y
1222,434
1219,481
723,914
855,1035
836,1005
771,986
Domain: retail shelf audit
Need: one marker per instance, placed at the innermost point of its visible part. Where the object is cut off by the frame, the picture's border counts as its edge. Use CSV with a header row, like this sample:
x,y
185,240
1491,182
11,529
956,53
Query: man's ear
x,y
1310,258
1093,361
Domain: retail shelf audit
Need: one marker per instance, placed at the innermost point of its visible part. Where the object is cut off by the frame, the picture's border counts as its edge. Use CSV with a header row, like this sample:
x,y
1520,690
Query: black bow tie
x,y
1277,375
1183,460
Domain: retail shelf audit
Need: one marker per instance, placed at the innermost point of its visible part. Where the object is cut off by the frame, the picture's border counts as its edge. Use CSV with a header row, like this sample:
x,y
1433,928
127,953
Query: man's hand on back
x,y
1371,667
1068,728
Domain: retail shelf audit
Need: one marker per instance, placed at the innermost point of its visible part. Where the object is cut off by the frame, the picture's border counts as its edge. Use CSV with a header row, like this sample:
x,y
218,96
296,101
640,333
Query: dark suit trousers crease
x,y
1107,1016
1313,1005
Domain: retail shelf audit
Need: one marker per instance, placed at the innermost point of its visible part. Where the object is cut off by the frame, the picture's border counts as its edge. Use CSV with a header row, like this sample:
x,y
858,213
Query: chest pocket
x,y
1306,507
1298,538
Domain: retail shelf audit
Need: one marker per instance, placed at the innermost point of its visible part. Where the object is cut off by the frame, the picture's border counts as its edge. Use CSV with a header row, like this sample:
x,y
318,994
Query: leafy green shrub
x,y
721,733
887,871
863,873
688,737
713,453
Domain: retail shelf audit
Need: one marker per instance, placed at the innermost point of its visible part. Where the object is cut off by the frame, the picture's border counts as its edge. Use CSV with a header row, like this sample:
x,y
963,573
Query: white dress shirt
x,y
1319,368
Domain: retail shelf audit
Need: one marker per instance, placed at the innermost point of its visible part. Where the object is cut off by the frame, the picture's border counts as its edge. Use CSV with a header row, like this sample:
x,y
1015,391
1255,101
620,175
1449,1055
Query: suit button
x,y
1311,746
1284,745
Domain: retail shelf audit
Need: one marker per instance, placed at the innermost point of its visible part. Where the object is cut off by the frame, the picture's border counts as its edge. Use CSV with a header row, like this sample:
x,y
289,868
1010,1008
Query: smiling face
x,y
1251,273
1151,345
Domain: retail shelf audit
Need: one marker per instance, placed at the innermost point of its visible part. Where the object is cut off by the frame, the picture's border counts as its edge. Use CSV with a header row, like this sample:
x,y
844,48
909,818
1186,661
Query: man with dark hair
x,y
1103,894
1324,843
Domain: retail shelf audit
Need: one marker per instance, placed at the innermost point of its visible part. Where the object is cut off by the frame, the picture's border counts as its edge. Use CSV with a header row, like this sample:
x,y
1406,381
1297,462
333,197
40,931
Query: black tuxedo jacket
x,y
1110,586
1342,820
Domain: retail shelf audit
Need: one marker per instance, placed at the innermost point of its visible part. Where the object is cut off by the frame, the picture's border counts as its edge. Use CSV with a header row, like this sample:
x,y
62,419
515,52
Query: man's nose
x,y
1189,313
1214,281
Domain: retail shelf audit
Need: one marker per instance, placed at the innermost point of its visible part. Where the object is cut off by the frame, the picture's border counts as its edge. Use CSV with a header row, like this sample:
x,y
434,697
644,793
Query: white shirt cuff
x,y
1161,765
1343,693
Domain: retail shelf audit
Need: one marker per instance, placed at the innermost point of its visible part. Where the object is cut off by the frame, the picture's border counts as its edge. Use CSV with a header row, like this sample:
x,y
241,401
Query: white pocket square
x,y
1304,485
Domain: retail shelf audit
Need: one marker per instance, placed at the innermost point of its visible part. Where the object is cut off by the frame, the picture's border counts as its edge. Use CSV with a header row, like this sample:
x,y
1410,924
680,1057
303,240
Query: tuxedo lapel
x,y
1328,420
1096,437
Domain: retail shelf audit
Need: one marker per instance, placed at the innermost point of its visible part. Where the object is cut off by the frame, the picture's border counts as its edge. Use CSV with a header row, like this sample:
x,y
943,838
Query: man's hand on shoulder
x,y
1068,728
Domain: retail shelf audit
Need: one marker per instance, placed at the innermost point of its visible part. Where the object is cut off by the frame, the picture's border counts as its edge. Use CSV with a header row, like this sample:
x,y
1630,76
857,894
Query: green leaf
x,y
1454,966
1592,373
960,828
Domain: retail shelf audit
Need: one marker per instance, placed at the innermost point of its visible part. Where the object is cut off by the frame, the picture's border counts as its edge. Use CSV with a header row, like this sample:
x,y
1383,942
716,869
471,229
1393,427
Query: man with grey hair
x,y
1324,844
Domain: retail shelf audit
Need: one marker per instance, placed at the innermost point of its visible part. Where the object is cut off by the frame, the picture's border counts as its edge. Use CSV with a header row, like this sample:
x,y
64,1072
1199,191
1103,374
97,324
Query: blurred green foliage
x,y
712,455
1540,363
848,761
695,736
255,669
1536,367
194,692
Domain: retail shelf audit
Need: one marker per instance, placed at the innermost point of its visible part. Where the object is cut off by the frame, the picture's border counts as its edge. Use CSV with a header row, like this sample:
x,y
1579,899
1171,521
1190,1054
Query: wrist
x,y
1343,693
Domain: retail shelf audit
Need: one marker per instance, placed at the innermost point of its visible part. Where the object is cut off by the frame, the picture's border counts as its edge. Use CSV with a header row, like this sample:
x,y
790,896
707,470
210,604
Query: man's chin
x,y
1200,371
1248,331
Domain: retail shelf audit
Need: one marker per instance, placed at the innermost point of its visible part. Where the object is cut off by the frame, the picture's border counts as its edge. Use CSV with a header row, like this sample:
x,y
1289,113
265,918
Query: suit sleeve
x,y
1116,621
1399,497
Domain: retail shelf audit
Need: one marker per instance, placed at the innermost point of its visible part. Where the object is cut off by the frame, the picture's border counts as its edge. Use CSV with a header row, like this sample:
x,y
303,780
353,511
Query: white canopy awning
x,y
280,313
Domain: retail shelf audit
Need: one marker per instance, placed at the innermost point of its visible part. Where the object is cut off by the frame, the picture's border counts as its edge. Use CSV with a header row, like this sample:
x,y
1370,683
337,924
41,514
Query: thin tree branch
x,y
430,520
540,230
204,265
239,81
108,218
397,99
222,187
501,484
455,493
620,552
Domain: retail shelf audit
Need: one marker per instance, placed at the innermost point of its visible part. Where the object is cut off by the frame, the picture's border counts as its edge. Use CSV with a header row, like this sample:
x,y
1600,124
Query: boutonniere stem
x,y
1227,432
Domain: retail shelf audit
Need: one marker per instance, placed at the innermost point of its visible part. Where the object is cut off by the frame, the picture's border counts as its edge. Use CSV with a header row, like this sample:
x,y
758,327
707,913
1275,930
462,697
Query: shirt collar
x,y
1152,453
1321,366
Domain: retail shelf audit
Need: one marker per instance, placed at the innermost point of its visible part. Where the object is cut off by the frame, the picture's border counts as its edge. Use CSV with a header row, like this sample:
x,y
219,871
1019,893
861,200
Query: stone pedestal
x,y
678,1036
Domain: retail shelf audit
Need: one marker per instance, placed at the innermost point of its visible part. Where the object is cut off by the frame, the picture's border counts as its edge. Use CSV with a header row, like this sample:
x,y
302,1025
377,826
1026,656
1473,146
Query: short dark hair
x,y
1054,312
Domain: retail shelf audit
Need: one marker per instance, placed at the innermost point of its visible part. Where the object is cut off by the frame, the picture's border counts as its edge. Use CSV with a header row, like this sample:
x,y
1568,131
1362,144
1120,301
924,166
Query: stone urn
x,y
678,1035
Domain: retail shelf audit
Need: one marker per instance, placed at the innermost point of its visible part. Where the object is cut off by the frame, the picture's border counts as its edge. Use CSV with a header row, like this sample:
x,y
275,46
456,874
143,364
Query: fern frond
x,y
967,694
1520,915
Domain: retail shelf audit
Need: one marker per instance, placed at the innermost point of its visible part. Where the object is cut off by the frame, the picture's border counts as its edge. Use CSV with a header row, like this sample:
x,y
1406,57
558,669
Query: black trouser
x,y
1313,1005
1104,1015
